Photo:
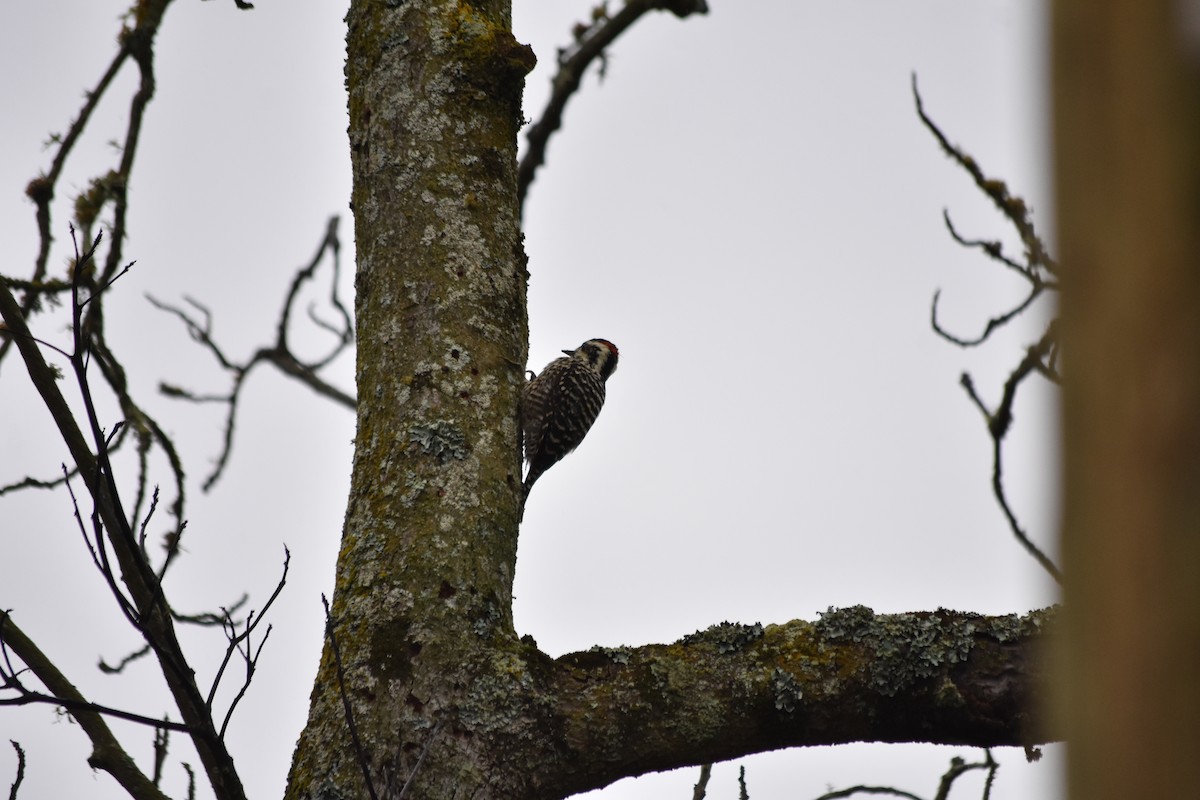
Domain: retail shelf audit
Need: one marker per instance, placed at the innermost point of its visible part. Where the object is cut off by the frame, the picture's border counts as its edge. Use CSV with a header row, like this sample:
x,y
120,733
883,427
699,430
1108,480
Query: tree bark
x,y
1127,146
446,701
422,604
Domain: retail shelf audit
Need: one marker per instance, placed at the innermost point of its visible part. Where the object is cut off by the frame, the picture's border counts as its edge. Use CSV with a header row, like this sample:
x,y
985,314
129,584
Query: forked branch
x,y
1037,269
280,353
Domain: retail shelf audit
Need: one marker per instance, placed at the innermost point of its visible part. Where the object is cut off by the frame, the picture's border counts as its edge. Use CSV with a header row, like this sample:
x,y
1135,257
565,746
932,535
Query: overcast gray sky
x,y
746,205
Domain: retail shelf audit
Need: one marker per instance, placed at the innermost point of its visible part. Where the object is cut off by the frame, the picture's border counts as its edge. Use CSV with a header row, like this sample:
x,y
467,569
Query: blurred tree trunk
x,y
1127,150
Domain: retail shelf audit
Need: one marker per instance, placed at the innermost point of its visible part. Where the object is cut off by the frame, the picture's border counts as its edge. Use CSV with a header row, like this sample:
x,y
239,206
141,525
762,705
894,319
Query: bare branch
x,y
114,669
136,43
1012,207
853,790
1015,211
958,768
359,752
20,777
107,753
998,423
278,354
41,191
992,324
88,346
1037,261
200,332
202,619
1037,270
152,618
241,643
29,482
590,41
994,250
211,618
701,787
191,794
162,740
95,544
345,331
146,433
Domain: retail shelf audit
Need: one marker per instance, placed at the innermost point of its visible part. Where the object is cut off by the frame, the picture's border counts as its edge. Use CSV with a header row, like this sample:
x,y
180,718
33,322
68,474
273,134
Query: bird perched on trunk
x,y
559,405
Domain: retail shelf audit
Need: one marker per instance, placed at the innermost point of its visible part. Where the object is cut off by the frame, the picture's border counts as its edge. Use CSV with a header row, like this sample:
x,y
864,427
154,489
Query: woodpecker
x,y
559,405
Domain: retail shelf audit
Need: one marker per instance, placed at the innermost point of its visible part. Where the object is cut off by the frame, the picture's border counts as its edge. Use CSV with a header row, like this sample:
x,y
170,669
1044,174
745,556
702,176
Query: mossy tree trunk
x,y
424,580
1127,127
446,700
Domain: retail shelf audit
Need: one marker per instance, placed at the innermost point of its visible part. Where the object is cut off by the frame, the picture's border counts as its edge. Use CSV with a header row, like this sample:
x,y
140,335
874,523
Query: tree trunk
x,y
1127,128
422,605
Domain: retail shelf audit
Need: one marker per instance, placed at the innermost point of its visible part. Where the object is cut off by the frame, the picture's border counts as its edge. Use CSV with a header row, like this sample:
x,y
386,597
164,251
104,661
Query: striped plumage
x,y
560,404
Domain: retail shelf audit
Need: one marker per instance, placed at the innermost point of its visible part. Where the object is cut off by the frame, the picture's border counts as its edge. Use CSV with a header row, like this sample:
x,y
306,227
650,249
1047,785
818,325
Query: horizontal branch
x,y
941,677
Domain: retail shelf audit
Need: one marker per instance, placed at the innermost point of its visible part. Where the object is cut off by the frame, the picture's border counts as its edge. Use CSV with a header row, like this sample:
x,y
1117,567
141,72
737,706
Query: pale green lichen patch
x,y
907,648
440,439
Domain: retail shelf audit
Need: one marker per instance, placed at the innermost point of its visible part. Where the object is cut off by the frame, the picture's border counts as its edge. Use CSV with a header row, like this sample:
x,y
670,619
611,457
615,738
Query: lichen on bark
x,y
424,577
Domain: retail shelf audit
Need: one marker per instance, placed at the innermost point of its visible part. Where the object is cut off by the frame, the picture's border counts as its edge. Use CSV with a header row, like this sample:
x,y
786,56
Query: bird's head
x,y
599,354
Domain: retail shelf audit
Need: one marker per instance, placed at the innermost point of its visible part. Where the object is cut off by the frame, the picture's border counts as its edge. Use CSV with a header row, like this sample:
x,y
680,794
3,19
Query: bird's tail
x,y
530,479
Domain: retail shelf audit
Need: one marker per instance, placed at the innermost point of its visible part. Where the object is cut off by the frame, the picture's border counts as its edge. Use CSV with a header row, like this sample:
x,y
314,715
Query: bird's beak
x,y
569,352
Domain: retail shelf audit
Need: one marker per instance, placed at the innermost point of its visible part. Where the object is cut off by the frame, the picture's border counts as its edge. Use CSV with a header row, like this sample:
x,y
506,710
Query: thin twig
x,y
701,787
1037,270
359,752
99,553
433,732
590,42
28,696
853,790
1037,260
998,424
992,324
249,655
250,658
126,660
1012,207
191,775
30,482
995,250
278,354
162,740
20,777
41,191
958,768
992,767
